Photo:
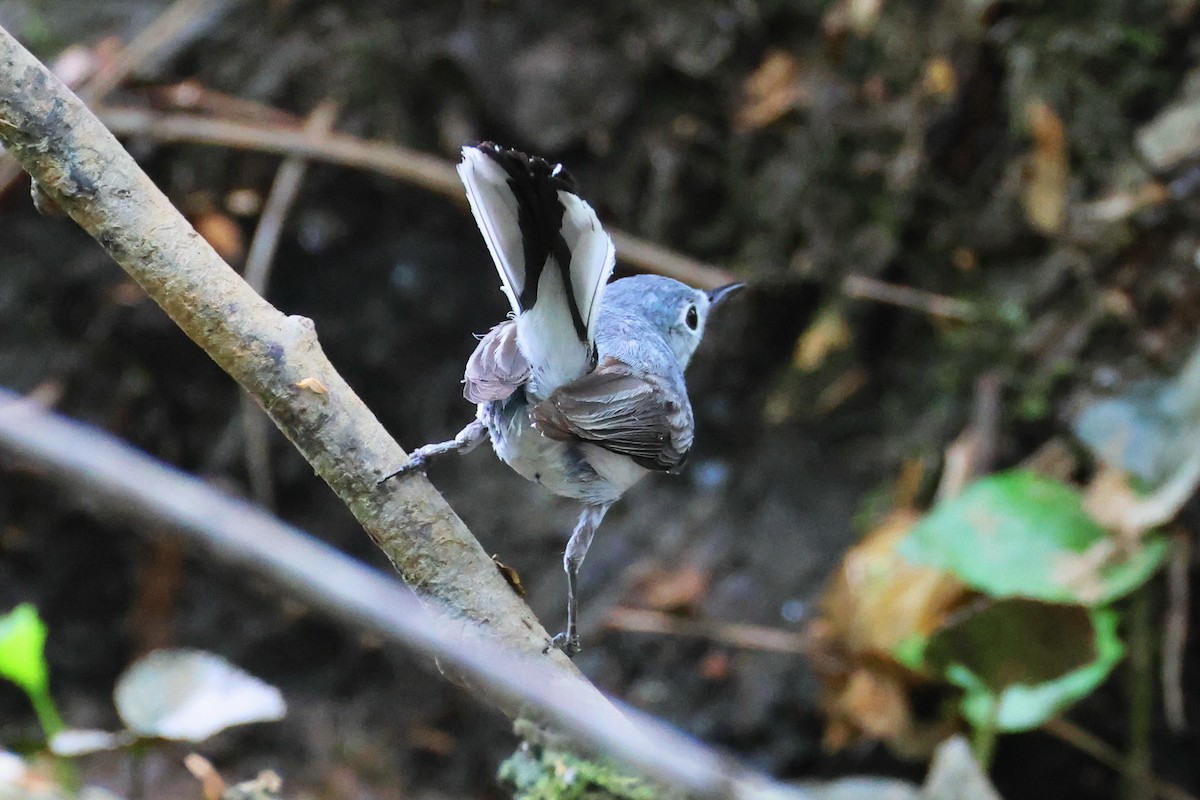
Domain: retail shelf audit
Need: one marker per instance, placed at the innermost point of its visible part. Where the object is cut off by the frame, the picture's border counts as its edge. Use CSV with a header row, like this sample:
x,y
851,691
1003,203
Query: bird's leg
x,y
577,547
467,440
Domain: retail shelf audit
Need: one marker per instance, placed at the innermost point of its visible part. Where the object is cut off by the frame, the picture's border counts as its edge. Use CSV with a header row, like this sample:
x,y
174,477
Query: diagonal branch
x,y
276,358
139,487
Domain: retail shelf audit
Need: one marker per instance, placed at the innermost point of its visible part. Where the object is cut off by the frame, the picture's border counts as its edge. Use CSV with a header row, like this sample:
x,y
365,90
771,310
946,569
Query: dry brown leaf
x,y
511,575
964,259
211,783
673,589
715,666
875,703
828,333
1122,205
939,79
1045,194
431,739
222,233
771,91
857,16
877,599
312,384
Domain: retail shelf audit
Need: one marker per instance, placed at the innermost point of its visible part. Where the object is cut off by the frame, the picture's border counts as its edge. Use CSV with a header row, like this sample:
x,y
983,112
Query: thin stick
x,y
132,484
1175,630
395,161
1139,765
284,189
1087,742
861,287
747,637
259,260
156,40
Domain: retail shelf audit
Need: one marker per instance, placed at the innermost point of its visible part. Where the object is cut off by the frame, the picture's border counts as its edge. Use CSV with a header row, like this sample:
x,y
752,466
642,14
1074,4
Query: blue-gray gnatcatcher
x,y
582,389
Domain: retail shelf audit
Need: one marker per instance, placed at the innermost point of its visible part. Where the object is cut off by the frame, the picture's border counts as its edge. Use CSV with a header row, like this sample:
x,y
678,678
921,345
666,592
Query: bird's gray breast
x,y
573,469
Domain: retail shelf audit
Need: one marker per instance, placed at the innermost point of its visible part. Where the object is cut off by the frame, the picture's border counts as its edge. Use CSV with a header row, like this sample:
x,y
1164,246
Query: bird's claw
x,y
416,463
570,646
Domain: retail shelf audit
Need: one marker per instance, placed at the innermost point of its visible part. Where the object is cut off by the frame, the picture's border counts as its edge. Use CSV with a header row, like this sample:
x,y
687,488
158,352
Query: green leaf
x,y
1016,534
1014,641
1025,706
22,650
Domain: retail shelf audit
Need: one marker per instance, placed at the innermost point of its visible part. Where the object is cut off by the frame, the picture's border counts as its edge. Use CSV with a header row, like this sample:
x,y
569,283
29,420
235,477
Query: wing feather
x,y
497,368
641,416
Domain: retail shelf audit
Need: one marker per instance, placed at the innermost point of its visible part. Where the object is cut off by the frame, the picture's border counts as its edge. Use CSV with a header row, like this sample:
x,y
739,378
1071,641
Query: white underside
x,y
549,462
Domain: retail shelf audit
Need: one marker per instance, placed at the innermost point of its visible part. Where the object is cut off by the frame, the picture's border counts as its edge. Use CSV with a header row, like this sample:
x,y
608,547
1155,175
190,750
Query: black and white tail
x,y
553,257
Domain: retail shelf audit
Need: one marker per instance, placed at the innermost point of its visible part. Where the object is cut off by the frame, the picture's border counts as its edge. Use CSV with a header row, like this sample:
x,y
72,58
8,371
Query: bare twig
x,y
261,256
748,637
156,40
1087,742
971,454
419,169
274,357
1139,758
135,485
861,287
1175,630
257,273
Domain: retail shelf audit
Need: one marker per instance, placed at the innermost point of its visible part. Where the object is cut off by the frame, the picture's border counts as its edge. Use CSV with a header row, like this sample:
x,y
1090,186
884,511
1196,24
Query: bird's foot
x,y
569,645
416,463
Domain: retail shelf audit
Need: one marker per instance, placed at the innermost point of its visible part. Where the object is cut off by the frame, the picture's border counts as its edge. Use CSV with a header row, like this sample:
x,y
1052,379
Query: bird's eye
x,y
692,319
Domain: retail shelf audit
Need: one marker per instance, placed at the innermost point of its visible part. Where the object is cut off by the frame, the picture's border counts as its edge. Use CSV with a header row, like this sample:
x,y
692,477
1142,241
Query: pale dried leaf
x,y
1046,175
191,695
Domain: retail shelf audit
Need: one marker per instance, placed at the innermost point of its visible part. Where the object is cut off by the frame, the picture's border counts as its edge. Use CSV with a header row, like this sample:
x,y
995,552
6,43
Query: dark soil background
x,y
870,164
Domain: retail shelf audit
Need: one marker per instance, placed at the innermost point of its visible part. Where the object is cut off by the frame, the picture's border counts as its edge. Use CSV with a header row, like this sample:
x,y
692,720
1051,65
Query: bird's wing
x,y
645,417
497,368
553,256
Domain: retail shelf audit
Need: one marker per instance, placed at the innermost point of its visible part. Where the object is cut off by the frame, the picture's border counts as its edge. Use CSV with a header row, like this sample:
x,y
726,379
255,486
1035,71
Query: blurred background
x,y
952,215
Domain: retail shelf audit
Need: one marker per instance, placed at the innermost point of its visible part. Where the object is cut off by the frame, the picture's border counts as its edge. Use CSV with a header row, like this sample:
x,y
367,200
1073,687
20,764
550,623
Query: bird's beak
x,y
721,292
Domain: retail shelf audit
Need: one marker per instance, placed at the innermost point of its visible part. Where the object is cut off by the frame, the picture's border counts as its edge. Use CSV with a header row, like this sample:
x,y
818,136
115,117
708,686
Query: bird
x,y
581,389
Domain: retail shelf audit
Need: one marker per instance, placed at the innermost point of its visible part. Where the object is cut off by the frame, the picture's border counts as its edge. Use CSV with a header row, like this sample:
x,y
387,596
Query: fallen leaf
x,y
211,783
771,91
857,16
312,384
955,774
191,695
511,575
877,599
223,233
74,742
673,589
715,666
828,333
939,78
1045,191
875,702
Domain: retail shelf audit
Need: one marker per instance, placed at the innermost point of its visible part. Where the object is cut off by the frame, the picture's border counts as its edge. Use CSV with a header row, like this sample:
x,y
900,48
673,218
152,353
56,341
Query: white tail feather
x,y
495,211
556,332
